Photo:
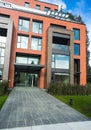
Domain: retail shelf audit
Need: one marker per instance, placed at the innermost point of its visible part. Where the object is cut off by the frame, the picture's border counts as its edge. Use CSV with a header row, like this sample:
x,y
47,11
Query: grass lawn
x,y
2,100
80,103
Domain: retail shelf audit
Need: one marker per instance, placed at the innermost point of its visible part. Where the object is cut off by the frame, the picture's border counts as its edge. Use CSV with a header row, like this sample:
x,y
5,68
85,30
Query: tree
x,y
87,59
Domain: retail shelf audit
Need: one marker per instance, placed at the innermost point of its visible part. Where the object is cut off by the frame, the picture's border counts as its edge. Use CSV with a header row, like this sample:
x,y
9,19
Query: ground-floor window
x,y
60,77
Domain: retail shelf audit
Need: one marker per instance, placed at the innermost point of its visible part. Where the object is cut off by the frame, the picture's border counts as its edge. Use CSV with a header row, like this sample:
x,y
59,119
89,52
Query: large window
x,y
61,77
76,34
22,42
24,24
60,61
37,27
36,43
76,49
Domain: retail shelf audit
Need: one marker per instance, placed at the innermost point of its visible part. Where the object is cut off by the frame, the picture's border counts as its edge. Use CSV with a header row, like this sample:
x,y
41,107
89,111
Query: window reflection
x,y
60,61
22,42
2,52
76,49
76,34
37,27
36,43
27,60
60,47
24,24
61,77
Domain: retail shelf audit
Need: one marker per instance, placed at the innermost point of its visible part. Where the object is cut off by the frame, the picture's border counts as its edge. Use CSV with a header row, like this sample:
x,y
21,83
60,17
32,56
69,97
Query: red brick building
x,y
39,44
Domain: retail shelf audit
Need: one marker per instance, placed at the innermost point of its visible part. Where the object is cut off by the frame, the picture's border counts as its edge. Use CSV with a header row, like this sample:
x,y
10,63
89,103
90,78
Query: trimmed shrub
x,y
3,87
59,88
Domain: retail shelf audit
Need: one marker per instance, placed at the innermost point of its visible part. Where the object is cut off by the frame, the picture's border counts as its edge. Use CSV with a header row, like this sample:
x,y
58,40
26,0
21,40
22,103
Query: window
x,y
53,61
3,38
24,24
5,15
1,73
27,59
60,47
60,61
46,9
58,26
76,34
2,51
76,49
61,77
36,43
26,4
38,7
3,41
37,27
22,42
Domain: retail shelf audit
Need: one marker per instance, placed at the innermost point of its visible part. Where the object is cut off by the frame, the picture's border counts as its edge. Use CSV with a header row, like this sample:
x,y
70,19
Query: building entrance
x,y
26,79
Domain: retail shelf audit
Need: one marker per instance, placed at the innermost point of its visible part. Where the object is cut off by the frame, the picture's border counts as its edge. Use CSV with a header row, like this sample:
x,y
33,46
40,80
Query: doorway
x,y
26,79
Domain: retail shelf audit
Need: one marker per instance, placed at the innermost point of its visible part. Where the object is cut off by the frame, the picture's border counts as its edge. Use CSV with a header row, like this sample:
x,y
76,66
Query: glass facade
x,y
60,61
24,24
36,43
27,60
76,34
76,49
37,27
22,42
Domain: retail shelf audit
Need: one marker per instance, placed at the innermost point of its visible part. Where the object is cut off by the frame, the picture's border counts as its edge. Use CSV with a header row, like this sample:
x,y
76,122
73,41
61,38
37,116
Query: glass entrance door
x,y
31,80
26,79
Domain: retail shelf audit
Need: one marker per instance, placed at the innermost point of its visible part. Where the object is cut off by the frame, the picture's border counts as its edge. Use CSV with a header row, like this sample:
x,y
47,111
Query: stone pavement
x,y
31,106
63,126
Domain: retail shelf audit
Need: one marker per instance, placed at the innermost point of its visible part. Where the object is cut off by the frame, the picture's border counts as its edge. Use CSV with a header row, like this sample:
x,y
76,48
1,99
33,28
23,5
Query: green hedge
x,y
59,88
3,87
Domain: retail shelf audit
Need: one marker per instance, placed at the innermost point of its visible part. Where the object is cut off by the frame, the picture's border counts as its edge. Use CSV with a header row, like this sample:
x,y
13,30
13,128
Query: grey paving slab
x,y
27,106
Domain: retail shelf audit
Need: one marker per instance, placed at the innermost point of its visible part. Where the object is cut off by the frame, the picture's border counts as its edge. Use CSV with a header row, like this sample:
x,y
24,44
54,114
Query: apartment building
x,y
40,44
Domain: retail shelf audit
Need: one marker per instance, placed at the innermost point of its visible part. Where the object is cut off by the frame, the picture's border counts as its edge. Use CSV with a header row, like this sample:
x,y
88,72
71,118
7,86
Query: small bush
x,y
3,87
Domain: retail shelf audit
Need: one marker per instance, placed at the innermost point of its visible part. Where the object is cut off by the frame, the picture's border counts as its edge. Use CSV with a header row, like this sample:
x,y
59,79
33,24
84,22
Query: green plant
x,y
3,87
59,88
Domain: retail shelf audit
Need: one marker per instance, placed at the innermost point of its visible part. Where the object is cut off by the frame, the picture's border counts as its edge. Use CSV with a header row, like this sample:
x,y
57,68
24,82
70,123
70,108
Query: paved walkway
x,y
32,106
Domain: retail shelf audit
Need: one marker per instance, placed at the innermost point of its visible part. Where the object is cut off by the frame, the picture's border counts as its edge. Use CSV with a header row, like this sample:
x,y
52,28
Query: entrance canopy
x,y
30,68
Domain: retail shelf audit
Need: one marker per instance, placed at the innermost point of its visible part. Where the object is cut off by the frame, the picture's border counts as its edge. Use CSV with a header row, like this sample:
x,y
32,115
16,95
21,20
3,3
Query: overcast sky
x,y
78,7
